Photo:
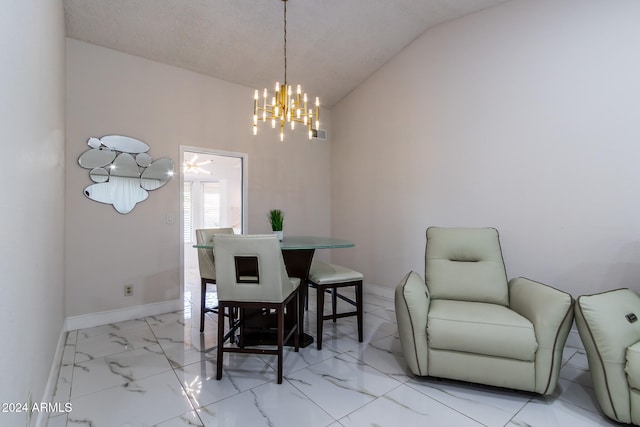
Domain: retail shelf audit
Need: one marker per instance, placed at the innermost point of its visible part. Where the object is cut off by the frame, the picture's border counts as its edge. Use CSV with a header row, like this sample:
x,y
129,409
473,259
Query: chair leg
x,y
296,335
359,309
231,315
280,340
241,315
334,304
320,314
306,298
203,296
221,309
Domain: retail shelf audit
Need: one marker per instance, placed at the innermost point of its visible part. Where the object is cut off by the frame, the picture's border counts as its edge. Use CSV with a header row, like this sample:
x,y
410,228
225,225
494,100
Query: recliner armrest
x,y
412,307
543,305
551,312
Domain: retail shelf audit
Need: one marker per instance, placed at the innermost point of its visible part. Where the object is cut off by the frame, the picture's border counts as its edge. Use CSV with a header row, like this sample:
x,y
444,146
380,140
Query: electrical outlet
x,y
128,290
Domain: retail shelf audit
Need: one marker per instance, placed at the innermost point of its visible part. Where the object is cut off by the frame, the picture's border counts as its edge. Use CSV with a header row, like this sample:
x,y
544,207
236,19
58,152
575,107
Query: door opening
x,y
213,188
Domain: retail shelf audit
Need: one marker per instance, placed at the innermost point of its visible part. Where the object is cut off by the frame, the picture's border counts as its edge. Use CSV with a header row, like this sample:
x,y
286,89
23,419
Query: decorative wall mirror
x,y
123,171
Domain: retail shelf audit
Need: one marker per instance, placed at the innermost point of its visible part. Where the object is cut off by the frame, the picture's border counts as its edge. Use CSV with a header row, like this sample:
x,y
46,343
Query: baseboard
x,y
120,315
50,386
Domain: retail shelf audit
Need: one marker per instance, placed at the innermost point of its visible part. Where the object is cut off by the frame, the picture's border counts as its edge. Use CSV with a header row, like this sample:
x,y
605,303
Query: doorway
x,y
214,195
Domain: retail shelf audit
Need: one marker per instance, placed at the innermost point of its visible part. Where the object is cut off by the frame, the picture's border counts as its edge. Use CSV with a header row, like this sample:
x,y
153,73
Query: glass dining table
x,y
297,253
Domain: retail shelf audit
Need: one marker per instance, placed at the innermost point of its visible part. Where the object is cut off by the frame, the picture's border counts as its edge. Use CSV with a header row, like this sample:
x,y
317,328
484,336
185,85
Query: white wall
x,y
524,117
114,93
32,103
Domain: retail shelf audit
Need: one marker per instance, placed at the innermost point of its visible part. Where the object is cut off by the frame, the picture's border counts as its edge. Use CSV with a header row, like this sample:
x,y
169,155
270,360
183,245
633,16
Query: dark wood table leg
x,y
298,264
259,327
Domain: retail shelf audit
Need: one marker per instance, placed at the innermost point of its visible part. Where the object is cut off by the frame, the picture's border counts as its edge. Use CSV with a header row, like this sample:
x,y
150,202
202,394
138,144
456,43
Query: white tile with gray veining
x,y
292,361
386,356
184,345
116,328
161,371
577,375
404,406
490,406
174,317
62,390
92,346
379,306
241,372
190,419
270,404
57,420
118,369
576,394
149,401
342,384
557,413
579,360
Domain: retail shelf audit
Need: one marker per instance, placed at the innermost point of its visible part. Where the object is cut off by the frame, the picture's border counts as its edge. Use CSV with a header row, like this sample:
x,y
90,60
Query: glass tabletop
x,y
301,242
312,242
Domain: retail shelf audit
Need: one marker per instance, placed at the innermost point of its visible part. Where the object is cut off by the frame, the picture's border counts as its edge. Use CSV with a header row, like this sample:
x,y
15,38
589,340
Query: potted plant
x,y
276,219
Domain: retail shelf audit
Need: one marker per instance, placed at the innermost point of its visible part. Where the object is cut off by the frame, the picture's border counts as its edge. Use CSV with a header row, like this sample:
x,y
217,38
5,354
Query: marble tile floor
x,y
160,371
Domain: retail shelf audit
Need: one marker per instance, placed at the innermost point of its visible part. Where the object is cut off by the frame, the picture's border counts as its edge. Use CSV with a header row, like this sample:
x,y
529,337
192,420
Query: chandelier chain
x,y
285,41
286,106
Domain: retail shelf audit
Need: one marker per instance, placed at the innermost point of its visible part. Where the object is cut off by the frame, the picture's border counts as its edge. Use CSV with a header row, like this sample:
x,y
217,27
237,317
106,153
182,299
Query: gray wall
x,y
523,117
113,93
32,109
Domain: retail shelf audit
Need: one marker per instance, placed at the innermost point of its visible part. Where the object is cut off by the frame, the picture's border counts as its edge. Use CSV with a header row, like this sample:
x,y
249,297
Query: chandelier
x,y
190,166
285,106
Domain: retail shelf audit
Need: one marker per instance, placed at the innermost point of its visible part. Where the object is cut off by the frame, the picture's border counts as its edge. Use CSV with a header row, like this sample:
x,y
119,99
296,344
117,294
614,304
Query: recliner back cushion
x,y
466,264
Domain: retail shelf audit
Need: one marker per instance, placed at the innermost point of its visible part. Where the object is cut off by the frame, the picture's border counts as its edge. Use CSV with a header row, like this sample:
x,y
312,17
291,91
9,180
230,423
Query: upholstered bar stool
x,y
329,278
252,276
207,267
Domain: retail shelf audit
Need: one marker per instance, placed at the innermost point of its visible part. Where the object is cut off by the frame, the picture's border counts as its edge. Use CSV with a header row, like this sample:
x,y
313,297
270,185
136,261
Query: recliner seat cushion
x,y
480,328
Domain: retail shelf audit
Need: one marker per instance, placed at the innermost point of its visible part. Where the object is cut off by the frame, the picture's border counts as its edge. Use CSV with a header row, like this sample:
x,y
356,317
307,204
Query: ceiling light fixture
x,y
190,166
285,107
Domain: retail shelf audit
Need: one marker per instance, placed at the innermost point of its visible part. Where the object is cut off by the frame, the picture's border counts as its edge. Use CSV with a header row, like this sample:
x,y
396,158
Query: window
x,y
188,211
211,204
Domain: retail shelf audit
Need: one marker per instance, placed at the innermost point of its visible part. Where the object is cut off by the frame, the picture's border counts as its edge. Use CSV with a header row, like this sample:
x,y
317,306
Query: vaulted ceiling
x,y
332,45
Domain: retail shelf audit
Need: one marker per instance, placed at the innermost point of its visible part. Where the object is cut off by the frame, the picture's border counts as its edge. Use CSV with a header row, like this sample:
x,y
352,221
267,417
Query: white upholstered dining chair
x,y
207,267
333,278
251,278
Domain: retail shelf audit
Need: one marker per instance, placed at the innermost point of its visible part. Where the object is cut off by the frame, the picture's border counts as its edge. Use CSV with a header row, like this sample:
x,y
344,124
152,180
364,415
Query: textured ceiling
x,y
332,45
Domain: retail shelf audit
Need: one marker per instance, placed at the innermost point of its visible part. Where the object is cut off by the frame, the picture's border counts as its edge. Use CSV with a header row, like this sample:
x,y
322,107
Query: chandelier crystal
x,y
285,107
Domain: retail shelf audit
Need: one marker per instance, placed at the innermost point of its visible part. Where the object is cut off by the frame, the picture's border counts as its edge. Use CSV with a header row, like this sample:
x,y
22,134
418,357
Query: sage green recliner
x,y
609,326
466,322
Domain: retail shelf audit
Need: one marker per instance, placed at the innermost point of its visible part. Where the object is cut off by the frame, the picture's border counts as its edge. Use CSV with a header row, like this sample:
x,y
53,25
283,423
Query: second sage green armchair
x,y
466,321
610,331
